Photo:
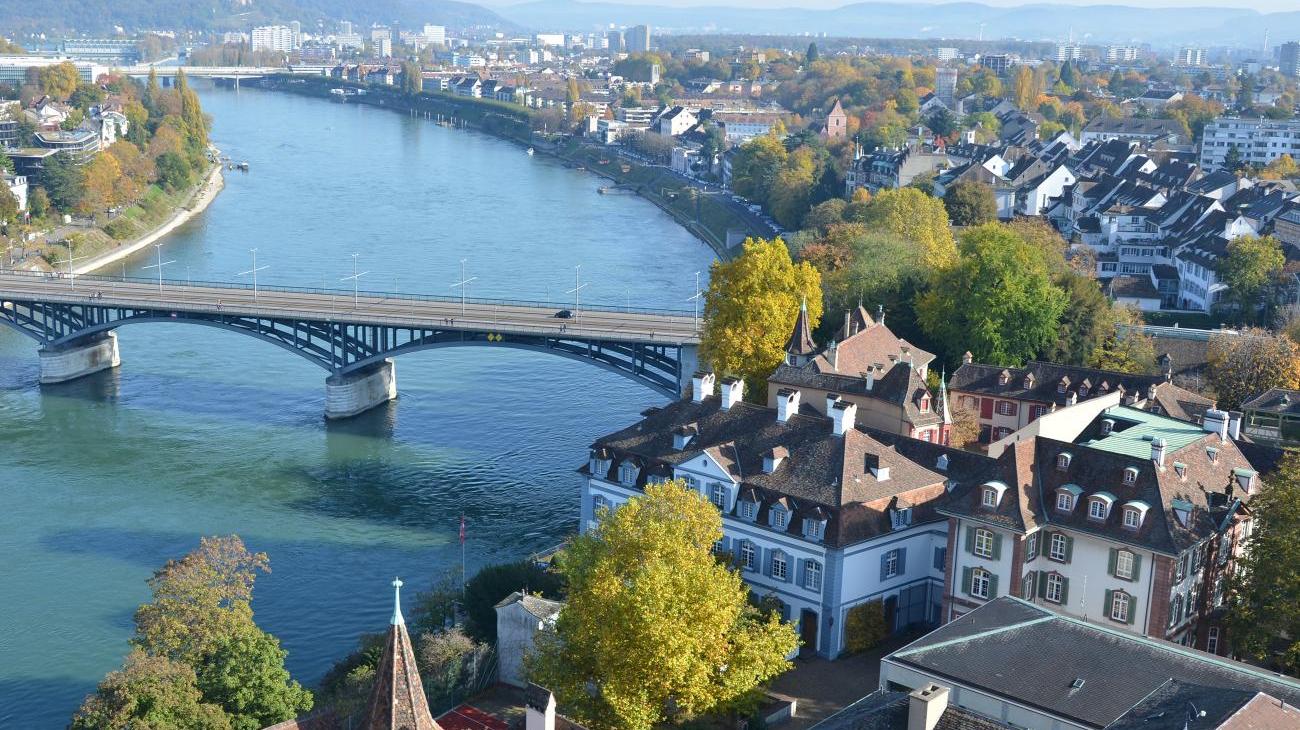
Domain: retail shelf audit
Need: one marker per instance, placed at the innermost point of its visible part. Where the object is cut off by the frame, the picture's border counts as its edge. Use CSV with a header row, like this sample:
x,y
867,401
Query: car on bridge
x,y
564,314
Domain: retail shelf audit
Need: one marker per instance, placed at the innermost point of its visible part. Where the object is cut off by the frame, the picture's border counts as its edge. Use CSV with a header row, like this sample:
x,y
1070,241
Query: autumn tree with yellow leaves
x,y
750,310
656,627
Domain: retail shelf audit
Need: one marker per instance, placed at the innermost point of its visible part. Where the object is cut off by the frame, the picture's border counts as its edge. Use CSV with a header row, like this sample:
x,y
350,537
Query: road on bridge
x,y
367,308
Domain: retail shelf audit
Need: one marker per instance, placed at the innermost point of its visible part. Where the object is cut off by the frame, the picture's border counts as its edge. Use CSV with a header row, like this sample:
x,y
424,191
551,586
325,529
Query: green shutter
x,y
1132,609
965,580
1114,558
997,546
1110,602
993,586
970,539
1069,547
1137,567
1065,591
1040,581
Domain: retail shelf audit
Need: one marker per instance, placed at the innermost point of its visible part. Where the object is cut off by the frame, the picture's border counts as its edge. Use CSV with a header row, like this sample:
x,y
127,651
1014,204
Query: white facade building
x,y
273,38
435,35
1258,141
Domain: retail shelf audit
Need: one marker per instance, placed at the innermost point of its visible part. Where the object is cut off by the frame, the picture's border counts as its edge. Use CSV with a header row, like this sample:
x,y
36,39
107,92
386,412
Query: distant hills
x,y
1031,22
100,16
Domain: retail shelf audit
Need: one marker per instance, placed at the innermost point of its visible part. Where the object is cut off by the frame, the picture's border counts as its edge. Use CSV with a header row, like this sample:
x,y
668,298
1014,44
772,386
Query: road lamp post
x,y
577,288
356,279
463,284
253,271
159,266
72,273
696,298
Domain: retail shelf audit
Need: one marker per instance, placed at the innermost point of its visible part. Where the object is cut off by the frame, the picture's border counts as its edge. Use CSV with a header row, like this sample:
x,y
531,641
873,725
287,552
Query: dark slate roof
x,y
824,475
899,385
1275,400
1020,508
1103,124
885,710
1033,656
1168,708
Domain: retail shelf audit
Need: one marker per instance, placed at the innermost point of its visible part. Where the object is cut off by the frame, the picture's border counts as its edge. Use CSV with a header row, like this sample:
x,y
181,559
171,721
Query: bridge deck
x,y
370,308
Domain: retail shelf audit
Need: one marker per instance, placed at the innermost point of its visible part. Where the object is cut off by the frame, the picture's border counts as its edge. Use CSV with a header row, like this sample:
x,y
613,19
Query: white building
x,y
1190,57
17,185
435,35
273,38
13,69
550,39
1122,54
946,53
1068,52
520,617
1258,141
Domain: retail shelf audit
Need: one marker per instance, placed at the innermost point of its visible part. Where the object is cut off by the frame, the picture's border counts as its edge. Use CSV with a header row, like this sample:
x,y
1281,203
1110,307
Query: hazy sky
x,y
1261,5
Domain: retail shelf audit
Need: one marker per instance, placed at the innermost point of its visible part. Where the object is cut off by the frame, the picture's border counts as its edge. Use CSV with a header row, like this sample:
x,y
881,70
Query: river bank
x,y
706,217
200,199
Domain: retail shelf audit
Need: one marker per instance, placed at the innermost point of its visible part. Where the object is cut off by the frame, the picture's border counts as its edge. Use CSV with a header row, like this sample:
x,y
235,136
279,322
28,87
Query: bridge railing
x,y
346,293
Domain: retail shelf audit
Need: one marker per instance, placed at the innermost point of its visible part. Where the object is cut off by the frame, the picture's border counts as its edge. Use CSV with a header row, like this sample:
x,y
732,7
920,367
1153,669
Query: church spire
x,y
946,412
800,346
397,700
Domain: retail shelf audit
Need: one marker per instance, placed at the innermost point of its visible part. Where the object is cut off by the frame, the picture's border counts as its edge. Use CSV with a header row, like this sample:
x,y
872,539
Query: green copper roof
x,y
1146,427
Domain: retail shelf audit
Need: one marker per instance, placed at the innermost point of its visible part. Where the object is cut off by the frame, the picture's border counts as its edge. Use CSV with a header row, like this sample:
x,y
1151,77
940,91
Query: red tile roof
x,y
468,717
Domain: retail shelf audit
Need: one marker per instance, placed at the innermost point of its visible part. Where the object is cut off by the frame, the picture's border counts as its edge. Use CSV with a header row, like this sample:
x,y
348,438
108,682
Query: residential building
x,y
817,514
865,365
1258,141
1068,52
1288,55
382,47
946,53
1106,512
945,85
520,617
80,143
1013,664
1008,399
1190,57
888,169
740,127
1159,98
295,33
1143,130
614,39
435,35
17,185
697,55
637,39
11,113
1122,54
550,39
636,116
273,38
675,121
997,63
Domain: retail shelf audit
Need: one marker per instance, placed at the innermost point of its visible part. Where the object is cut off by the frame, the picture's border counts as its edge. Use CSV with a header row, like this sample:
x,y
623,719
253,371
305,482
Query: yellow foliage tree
x,y
750,310
99,185
656,628
59,80
1241,367
917,217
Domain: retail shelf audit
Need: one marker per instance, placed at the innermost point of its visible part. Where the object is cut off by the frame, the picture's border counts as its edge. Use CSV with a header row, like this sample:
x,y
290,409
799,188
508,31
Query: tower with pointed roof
x,y
800,347
397,700
837,122
945,428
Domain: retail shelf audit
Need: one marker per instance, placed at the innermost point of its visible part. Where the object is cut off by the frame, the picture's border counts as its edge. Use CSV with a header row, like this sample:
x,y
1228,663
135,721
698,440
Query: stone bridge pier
x,y
79,358
350,394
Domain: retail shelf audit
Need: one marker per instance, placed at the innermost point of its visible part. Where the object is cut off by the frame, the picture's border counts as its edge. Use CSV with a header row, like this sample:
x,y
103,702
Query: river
x,y
204,432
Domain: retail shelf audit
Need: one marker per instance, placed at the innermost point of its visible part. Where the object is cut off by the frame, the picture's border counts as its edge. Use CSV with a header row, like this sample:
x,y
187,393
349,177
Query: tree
x,y
965,427
38,202
100,185
1086,322
812,55
412,81
755,167
8,205
917,217
1125,348
151,693
1023,94
750,309
62,178
1240,367
59,80
194,124
997,300
174,172
244,674
85,96
688,640
943,123
492,584
1282,168
1232,160
791,191
1263,612
1250,271
1069,76
970,204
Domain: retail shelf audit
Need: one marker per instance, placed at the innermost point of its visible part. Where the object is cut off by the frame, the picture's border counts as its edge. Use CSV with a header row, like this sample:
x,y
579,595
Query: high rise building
x,y
435,34
1121,54
945,85
1190,57
946,53
638,39
295,32
1068,52
273,38
615,40
345,27
383,47
1289,59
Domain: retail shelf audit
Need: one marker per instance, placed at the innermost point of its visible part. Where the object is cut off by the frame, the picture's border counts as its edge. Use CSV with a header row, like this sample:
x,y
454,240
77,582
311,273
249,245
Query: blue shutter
x,y
800,572
902,560
940,554
883,558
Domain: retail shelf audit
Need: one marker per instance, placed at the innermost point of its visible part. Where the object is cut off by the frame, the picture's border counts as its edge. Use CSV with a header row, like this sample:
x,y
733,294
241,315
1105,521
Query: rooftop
x,y
1135,439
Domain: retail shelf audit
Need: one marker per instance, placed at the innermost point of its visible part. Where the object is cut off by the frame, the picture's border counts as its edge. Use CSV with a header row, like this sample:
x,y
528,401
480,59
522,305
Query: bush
x,y
865,627
120,228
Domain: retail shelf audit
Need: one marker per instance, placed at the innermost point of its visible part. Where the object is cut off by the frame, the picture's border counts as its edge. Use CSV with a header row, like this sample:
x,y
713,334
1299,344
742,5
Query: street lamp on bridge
x,y
578,286
356,281
463,284
253,271
696,298
159,266
72,273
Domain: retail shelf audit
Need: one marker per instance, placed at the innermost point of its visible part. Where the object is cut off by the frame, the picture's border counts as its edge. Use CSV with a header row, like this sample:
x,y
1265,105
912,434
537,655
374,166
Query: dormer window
x,y
814,528
1083,389
941,463
748,510
779,517
1245,479
1063,386
627,473
1063,461
1029,381
1213,454
901,518
1132,518
1099,506
1004,377
925,404
1180,469
991,494
1107,426
1067,496
1130,476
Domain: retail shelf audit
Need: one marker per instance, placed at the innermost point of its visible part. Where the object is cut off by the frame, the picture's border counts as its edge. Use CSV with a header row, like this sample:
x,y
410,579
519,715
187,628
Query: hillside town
x,y
984,417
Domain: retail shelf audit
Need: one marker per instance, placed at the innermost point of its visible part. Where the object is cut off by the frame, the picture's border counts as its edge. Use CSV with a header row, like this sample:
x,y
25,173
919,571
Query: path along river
x,y
204,432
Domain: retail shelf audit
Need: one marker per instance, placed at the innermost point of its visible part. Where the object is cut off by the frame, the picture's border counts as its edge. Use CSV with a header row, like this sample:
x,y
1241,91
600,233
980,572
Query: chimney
x,y
967,358
732,390
924,707
880,314
701,386
1216,421
1234,424
870,375
831,400
877,469
832,355
1158,452
844,413
848,323
1151,391
787,404
540,708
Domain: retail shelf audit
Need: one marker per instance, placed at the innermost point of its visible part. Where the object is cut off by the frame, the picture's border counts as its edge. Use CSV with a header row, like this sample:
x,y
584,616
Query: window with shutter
x,y
984,543
1055,589
966,580
940,557
889,564
779,568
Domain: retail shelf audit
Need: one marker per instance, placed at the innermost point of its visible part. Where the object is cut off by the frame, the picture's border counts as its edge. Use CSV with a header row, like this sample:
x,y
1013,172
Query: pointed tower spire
x,y
800,346
397,700
943,397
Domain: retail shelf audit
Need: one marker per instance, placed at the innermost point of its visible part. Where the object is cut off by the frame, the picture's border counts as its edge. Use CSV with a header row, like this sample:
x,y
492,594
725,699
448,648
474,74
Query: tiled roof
x,y
1035,657
540,607
397,700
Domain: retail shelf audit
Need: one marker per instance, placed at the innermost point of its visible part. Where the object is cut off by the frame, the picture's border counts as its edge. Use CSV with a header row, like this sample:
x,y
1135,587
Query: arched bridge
x,y
352,335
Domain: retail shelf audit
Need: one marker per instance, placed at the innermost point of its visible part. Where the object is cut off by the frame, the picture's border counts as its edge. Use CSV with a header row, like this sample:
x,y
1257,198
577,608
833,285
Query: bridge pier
x,y
689,362
353,393
79,358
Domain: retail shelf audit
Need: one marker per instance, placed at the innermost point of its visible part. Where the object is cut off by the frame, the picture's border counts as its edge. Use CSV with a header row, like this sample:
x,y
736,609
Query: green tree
x,y
791,191
812,55
1232,160
750,310
38,202
1250,271
1086,322
756,165
1262,612
86,96
911,214
6,163
493,583
151,693
1125,348
970,204
174,171
1069,76
688,640
244,674
997,300
62,178
8,205
412,81
1240,367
